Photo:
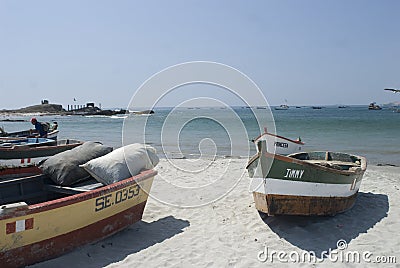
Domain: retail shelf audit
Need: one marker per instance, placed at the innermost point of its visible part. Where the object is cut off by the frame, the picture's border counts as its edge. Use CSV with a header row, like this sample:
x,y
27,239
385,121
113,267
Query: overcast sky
x,y
307,52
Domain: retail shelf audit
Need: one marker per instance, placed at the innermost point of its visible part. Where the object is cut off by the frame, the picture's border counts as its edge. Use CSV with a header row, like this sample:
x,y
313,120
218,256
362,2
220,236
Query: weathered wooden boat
x,y
313,183
40,220
279,144
30,133
16,150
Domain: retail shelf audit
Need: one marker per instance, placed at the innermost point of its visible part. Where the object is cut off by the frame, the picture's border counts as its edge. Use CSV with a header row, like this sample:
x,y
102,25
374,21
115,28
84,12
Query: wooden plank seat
x,y
332,162
74,189
339,165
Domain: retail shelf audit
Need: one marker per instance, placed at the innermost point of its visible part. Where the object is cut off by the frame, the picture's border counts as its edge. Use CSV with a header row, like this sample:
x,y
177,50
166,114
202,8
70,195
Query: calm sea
x,y
191,132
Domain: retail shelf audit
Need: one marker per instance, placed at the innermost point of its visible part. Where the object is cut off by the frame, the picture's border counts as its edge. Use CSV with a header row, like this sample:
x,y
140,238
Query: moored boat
x,y
30,133
279,144
7,142
282,107
374,106
313,183
40,220
44,147
142,112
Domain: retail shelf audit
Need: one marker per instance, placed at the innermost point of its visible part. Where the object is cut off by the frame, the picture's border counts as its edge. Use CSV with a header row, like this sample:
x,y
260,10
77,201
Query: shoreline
x,y
379,155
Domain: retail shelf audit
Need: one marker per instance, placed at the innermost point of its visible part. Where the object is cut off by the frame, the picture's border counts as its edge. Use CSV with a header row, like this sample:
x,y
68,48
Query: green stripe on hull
x,y
303,172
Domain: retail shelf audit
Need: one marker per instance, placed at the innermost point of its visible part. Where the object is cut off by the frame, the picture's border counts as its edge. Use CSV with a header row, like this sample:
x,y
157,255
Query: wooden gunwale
x,y
38,151
274,135
72,199
288,159
32,169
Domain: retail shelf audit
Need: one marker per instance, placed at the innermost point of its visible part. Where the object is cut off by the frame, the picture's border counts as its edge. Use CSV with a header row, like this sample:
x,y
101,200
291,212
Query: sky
x,y
306,52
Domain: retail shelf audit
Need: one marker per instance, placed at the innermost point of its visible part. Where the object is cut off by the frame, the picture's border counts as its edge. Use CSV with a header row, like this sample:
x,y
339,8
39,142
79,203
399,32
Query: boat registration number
x,y
117,197
281,144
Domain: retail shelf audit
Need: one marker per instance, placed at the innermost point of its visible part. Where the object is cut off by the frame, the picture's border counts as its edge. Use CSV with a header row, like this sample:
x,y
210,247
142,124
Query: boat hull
x,y
34,233
30,133
275,204
29,152
286,186
19,171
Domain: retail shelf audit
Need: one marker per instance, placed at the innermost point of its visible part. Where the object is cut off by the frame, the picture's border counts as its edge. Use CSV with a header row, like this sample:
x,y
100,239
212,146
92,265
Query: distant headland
x,y
47,108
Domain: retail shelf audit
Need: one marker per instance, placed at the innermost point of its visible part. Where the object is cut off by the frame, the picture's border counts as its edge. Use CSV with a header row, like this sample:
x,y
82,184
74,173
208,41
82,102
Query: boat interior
x,y
37,188
340,161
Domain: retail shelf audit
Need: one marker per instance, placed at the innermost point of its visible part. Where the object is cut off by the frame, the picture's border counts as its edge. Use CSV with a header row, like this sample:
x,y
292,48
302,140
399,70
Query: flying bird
x,y
392,89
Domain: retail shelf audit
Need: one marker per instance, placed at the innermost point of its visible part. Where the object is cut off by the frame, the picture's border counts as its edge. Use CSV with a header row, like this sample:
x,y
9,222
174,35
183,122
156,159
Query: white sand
x,y
230,232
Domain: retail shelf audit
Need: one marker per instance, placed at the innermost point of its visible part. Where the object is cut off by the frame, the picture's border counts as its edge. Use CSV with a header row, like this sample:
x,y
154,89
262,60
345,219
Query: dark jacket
x,y
41,129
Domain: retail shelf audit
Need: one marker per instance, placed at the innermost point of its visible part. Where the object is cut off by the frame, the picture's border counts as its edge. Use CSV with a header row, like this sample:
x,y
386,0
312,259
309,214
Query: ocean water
x,y
225,132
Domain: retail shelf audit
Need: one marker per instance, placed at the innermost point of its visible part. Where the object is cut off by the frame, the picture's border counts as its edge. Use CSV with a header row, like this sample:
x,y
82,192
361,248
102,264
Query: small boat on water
x,y
313,183
35,147
40,220
282,107
374,106
143,112
280,145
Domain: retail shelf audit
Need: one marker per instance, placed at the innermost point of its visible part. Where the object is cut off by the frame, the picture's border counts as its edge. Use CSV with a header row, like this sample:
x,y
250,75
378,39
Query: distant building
x,y
45,102
90,104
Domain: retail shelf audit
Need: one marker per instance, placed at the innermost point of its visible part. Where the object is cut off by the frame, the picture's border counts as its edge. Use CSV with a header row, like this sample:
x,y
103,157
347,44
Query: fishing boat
x,y
374,106
31,142
282,107
30,133
29,148
15,148
40,220
142,112
279,144
312,183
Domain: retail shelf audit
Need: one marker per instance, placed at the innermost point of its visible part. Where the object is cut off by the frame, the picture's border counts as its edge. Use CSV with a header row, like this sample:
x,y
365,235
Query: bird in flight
x,y
393,90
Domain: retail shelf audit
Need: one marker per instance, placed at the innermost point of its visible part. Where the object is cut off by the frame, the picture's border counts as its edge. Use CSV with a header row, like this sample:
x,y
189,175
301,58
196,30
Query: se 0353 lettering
x,y
122,195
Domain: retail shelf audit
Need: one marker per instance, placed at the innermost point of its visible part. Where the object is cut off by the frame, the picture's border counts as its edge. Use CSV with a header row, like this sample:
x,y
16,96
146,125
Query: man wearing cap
x,y
39,128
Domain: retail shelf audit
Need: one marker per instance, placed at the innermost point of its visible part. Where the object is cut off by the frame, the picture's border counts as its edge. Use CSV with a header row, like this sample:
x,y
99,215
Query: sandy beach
x,y
230,231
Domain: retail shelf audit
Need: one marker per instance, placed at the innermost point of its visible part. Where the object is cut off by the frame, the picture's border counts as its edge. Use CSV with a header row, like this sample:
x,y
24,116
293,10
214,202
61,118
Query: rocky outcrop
x,y
41,108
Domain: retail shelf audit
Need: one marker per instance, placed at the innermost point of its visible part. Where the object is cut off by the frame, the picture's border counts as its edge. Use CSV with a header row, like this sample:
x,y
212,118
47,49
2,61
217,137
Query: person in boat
x,y
41,128
54,126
